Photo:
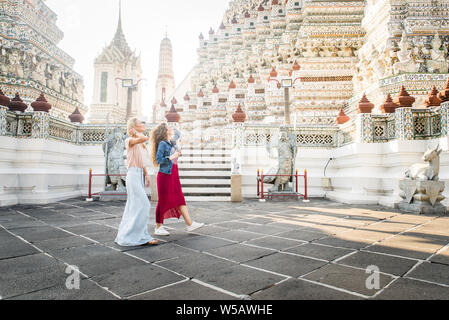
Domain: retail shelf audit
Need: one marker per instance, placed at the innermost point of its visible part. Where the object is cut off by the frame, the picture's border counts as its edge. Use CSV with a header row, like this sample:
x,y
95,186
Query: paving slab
x,y
286,264
102,237
303,235
203,243
240,279
13,285
413,253
298,289
26,264
16,222
175,235
88,229
350,279
275,243
209,229
115,246
238,235
433,272
387,264
94,260
14,247
369,236
195,264
258,220
287,225
387,226
136,279
343,243
69,242
266,229
187,290
161,252
319,251
234,225
88,291
409,289
442,257
240,252
41,233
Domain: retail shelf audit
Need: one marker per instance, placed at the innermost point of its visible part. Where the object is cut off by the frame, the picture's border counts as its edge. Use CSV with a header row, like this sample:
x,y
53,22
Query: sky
x,y
90,25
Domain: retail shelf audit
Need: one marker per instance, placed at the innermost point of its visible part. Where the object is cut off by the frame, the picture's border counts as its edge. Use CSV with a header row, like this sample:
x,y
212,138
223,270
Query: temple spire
x,y
120,16
119,39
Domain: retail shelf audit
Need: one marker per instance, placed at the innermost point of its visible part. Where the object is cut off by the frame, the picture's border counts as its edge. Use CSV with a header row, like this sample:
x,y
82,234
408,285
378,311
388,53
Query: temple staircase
x,y
206,174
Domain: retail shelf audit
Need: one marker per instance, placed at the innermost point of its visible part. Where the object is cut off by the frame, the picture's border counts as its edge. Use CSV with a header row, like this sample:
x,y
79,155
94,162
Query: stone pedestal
x,y
236,188
112,196
153,186
326,184
282,195
421,197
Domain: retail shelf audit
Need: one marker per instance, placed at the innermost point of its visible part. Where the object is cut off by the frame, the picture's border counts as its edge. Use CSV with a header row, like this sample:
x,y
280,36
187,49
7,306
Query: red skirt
x,y
170,195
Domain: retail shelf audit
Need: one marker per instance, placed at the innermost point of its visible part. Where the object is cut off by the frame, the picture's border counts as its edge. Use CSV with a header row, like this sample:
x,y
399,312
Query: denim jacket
x,y
164,151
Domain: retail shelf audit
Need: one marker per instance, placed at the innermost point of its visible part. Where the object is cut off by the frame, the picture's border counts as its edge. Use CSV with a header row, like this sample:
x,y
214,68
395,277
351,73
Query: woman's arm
x,y
147,177
160,159
140,139
177,135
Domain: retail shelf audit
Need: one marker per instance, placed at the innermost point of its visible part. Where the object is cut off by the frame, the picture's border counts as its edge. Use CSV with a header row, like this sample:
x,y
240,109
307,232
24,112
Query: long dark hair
x,y
158,134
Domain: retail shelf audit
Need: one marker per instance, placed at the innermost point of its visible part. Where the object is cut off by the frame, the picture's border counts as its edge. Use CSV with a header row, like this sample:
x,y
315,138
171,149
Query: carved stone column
x,y
3,121
40,125
405,128
364,128
236,162
444,110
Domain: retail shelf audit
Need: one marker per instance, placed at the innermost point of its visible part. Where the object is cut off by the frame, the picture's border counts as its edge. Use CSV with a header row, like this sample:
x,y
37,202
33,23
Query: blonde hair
x,y
131,125
131,131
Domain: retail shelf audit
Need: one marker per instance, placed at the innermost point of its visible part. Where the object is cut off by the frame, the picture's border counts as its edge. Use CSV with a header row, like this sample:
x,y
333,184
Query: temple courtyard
x,y
249,250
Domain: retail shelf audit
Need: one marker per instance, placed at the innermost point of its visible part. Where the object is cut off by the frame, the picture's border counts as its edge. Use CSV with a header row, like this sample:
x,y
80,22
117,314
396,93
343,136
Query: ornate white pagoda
x,y
117,77
31,62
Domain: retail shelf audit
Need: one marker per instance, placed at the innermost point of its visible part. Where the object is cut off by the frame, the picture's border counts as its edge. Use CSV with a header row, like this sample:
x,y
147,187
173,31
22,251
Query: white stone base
x,y
36,171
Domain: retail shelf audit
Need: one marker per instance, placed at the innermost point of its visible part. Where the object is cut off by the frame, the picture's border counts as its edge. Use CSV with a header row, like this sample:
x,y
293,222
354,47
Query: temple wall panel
x,y
37,171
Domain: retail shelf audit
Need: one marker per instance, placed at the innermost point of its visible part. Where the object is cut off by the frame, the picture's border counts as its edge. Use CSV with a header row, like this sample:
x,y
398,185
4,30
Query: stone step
x,y
205,190
198,163
187,158
206,174
205,150
206,187
197,198
200,178
205,168
210,181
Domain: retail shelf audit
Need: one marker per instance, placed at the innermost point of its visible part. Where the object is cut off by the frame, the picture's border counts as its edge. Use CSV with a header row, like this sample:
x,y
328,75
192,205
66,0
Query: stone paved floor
x,y
253,250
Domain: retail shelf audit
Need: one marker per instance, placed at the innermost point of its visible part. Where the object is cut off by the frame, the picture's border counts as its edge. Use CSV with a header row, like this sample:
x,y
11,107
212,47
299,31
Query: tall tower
x,y
165,84
116,81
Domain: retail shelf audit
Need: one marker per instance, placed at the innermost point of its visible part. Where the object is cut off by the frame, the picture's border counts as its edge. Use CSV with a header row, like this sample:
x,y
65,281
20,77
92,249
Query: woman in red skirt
x,y
171,202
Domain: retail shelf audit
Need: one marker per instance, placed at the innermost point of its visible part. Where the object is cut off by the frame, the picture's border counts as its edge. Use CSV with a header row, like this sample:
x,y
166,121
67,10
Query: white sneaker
x,y
161,231
194,226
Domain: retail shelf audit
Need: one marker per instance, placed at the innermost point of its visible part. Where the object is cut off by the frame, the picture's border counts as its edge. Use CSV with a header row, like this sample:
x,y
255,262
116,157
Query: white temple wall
x,y
37,171
359,174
